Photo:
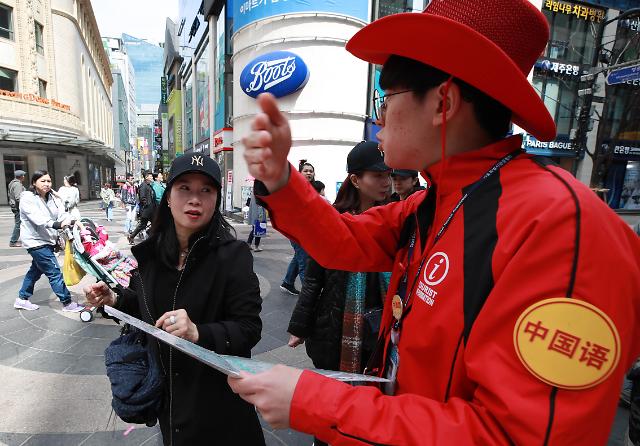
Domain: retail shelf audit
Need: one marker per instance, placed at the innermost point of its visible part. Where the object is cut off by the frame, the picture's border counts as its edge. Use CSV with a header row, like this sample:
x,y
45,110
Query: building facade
x,y
609,160
121,142
55,94
120,60
146,58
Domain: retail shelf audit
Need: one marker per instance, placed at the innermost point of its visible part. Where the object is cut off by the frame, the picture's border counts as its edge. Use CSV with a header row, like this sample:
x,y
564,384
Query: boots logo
x,y
278,72
436,269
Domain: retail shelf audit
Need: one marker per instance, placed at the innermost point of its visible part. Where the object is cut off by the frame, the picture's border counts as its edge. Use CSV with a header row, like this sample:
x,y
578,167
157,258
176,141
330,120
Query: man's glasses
x,y
380,103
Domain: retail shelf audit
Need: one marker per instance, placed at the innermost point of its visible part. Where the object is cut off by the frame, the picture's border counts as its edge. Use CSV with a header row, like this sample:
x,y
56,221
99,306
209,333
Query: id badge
x,y
393,362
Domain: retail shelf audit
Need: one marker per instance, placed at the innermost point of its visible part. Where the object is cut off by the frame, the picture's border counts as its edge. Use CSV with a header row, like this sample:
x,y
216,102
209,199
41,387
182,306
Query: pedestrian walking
x,y
147,205
70,196
195,281
337,308
298,263
405,182
258,221
14,189
108,199
158,186
129,198
41,217
499,325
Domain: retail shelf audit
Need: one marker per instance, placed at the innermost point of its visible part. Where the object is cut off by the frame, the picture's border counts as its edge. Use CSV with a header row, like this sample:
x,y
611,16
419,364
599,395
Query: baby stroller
x,y
85,237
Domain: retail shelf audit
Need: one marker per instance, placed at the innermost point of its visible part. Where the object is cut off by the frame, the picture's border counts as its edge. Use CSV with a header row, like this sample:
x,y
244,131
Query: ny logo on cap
x,y
197,161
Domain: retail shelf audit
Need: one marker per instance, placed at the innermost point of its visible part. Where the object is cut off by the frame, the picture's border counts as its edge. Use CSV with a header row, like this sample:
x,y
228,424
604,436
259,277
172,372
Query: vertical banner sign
x,y
163,90
249,11
229,194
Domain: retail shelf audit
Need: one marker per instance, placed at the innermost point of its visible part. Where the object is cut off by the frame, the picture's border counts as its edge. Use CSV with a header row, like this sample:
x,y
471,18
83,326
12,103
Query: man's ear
x,y
449,101
354,180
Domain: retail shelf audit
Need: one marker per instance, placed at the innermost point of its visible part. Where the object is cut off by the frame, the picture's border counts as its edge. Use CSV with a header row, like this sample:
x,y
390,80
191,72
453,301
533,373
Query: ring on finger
x,y
172,319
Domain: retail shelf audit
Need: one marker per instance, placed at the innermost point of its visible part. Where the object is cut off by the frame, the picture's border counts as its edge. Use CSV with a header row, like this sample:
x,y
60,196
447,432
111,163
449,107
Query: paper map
x,y
229,365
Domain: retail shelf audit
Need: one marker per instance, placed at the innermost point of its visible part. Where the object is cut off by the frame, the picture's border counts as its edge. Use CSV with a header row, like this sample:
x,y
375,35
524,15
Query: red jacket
x,y
530,233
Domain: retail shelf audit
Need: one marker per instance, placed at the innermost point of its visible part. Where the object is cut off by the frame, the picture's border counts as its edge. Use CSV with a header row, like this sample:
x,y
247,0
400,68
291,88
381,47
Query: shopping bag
x,y
71,271
259,228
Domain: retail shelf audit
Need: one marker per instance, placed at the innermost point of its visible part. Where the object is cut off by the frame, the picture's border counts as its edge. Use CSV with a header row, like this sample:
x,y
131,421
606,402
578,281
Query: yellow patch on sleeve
x,y
567,343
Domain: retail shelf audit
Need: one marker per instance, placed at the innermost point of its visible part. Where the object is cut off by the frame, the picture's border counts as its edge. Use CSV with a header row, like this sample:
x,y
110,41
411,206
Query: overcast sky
x,y
144,19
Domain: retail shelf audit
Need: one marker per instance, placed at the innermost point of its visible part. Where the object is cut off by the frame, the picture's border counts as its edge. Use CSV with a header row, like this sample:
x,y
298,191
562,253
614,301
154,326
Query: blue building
x,y
147,60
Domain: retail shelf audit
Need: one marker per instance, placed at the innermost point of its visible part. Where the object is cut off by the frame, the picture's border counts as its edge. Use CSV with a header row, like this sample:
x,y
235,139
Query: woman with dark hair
x,y
70,196
41,217
298,263
307,169
338,311
195,281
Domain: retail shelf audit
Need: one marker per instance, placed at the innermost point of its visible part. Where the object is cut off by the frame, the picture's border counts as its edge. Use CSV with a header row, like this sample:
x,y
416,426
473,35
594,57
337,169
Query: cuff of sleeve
x,y
56,225
313,407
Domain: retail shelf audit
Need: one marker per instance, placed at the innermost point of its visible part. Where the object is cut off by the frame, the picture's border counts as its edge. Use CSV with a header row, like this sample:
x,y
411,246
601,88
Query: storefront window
x,y
618,161
188,115
202,95
13,163
572,38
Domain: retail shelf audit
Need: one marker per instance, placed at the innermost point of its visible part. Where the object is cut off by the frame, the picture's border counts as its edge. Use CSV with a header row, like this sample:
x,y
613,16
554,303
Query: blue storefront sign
x,y
279,73
561,146
249,11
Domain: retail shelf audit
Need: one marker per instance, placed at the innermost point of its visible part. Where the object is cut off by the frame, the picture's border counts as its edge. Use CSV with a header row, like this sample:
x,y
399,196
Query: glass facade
x,y
8,79
39,31
6,22
617,167
147,60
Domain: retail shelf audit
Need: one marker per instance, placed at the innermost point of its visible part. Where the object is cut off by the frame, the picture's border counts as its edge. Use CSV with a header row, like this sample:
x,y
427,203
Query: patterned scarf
x,y
353,319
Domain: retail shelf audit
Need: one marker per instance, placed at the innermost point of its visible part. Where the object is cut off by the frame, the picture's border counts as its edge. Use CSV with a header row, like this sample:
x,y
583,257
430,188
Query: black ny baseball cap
x,y
366,156
195,163
404,173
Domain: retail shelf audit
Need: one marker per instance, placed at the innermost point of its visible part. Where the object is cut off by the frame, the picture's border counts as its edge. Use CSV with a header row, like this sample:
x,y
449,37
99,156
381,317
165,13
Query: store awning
x,y
64,139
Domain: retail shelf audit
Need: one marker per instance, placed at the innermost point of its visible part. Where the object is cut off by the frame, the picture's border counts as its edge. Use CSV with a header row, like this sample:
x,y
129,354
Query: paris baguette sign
x,y
279,73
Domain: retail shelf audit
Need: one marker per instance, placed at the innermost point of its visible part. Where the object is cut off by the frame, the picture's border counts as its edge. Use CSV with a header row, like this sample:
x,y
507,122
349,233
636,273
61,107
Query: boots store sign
x,y
279,72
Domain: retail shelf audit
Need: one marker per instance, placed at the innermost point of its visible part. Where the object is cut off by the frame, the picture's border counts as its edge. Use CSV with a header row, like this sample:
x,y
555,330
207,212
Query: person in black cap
x,y
14,190
405,182
195,281
337,310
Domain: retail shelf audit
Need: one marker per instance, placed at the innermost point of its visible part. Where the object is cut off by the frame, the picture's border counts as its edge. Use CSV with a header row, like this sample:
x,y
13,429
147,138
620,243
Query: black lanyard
x,y
402,288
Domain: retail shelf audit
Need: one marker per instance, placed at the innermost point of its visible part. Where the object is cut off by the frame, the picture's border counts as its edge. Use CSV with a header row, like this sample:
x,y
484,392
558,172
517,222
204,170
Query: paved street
x,y
54,388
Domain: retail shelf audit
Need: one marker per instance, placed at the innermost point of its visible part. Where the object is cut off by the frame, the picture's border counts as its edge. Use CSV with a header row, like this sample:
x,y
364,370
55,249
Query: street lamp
x,y
587,93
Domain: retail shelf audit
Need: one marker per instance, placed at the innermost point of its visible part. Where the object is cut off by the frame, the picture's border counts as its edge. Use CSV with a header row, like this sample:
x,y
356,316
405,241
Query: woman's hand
x,y
99,294
271,392
177,323
268,144
295,341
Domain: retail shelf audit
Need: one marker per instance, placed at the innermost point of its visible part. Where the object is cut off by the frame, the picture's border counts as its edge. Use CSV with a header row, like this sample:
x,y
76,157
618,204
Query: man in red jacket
x,y
513,308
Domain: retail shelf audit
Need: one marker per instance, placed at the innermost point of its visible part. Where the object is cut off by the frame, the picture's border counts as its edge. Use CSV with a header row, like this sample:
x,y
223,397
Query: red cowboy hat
x,y
490,44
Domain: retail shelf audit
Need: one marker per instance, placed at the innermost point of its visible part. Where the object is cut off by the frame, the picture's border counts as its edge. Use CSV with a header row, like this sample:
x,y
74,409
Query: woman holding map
x,y
195,281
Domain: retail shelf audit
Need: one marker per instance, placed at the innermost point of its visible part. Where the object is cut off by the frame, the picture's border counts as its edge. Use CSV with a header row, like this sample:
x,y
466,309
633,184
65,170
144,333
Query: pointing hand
x,y
268,144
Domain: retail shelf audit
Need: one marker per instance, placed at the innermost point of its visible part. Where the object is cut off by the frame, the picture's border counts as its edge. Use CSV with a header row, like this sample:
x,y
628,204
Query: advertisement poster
x,y
249,11
202,94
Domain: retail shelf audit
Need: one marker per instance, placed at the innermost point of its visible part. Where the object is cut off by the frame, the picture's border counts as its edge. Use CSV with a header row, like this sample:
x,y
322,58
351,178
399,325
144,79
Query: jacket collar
x,y
466,168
